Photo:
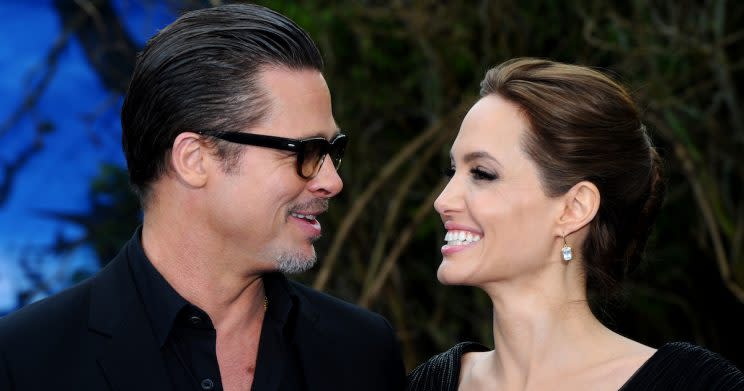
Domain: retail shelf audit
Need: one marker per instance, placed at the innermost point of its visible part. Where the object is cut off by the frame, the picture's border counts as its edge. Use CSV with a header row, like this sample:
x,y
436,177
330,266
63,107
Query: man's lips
x,y
308,222
306,215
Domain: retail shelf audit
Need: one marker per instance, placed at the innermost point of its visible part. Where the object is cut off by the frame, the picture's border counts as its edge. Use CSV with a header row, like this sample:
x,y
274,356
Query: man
x,y
232,147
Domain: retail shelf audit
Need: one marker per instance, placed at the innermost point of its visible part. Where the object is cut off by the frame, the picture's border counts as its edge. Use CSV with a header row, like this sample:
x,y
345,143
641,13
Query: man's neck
x,y
202,276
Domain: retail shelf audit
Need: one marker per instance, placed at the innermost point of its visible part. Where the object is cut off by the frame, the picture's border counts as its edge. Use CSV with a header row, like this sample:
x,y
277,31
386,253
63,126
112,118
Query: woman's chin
x,y
447,274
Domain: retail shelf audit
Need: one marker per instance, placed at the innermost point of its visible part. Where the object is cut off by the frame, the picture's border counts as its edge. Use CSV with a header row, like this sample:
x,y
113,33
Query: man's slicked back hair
x,y
201,73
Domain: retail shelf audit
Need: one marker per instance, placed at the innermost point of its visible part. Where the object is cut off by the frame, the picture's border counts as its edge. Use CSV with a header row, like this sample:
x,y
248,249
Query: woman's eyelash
x,y
479,174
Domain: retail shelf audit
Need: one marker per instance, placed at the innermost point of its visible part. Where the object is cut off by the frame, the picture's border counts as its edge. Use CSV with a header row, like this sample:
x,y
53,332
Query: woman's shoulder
x,y
684,366
442,371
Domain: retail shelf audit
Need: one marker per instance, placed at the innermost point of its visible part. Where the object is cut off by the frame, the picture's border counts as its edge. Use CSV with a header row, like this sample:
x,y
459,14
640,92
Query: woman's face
x,y
500,225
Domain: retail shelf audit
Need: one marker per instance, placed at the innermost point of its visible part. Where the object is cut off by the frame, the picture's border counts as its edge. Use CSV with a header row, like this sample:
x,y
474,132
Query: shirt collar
x,y
162,303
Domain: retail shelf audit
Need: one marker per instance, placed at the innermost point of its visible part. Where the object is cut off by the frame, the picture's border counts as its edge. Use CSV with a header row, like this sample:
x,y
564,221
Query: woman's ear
x,y
581,204
188,160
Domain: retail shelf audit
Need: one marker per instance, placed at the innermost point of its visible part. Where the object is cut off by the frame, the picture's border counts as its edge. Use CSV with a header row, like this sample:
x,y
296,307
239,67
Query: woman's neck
x,y
541,329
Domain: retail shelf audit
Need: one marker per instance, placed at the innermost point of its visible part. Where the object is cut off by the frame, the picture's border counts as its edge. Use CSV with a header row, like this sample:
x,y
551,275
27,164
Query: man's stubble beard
x,y
289,261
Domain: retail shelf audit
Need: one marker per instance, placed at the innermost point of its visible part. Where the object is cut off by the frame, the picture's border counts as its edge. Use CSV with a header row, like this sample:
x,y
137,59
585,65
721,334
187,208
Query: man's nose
x,y
327,182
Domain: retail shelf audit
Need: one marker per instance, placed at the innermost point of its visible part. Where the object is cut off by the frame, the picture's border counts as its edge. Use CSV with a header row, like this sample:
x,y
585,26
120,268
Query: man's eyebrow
x,y
320,133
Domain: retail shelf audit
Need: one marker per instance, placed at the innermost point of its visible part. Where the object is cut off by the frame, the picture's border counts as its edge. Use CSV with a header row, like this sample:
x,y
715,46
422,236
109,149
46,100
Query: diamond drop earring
x,y
566,250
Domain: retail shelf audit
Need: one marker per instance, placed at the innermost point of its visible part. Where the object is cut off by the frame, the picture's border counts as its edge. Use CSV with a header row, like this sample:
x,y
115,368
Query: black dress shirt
x,y
187,336
99,335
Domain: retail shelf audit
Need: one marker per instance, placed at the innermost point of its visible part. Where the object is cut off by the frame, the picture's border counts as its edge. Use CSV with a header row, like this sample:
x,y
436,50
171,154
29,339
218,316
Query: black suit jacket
x,y
97,336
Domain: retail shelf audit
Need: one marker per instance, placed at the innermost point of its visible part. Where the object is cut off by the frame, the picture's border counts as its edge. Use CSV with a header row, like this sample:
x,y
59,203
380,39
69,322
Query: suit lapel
x,y
129,354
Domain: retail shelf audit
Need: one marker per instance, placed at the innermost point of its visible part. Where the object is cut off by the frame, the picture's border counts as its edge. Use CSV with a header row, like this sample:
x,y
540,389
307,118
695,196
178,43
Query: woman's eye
x,y
481,175
449,172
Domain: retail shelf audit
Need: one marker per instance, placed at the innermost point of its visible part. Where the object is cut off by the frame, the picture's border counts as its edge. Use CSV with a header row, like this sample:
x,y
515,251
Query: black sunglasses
x,y
310,152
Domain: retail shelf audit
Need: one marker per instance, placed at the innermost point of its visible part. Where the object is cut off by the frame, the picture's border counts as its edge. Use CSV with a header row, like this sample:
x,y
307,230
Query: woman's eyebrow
x,y
469,157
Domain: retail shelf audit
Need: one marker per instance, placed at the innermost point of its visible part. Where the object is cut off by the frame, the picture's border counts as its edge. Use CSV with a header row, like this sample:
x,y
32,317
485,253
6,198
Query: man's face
x,y
263,208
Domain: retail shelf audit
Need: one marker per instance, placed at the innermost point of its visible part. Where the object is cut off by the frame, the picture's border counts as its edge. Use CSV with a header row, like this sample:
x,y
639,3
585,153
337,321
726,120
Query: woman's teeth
x,y
460,238
310,218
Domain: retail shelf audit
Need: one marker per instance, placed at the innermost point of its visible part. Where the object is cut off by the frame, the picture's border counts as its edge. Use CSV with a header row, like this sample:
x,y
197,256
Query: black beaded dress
x,y
677,366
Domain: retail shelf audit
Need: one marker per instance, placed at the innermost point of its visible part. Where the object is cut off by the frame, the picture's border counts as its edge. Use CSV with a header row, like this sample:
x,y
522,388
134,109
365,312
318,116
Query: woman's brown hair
x,y
584,126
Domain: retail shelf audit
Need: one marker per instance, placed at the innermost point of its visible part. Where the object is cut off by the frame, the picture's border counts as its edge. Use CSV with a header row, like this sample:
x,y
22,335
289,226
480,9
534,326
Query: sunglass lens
x,y
314,151
337,150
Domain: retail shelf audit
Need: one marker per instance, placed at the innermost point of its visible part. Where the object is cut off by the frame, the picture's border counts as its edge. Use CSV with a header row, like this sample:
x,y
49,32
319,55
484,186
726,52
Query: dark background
x,y
402,75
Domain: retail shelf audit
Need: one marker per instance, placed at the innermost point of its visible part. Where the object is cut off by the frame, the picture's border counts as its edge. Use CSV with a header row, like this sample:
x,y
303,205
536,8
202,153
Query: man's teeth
x,y
306,217
460,238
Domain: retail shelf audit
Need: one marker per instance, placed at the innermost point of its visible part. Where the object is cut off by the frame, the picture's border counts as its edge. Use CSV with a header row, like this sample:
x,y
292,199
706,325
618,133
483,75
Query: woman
x,y
554,187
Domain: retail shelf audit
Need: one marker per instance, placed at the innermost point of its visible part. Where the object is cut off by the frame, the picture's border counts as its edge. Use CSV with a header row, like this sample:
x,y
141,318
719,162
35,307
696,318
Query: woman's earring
x,y
566,250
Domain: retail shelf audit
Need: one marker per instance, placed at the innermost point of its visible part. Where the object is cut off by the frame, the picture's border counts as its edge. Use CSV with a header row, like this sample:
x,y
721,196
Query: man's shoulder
x,y
51,342
325,303
52,308
46,320
322,299
359,344
72,305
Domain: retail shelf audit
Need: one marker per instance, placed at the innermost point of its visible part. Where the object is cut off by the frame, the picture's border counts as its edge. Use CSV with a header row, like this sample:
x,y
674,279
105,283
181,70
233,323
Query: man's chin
x,y
295,267
297,262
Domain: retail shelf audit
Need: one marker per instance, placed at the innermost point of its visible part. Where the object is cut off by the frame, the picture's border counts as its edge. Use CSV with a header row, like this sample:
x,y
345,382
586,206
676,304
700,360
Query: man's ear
x,y
188,157
581,204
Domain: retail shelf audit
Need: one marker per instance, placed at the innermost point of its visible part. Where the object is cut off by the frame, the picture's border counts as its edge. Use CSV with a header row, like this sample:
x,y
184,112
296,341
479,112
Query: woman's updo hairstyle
x,y
584,126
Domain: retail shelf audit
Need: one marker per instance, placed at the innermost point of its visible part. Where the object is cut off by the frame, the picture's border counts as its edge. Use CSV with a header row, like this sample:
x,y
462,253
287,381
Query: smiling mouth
x,y
461,238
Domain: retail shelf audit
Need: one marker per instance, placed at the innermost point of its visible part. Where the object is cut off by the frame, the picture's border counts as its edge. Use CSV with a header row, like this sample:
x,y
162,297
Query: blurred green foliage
x,y
402,75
